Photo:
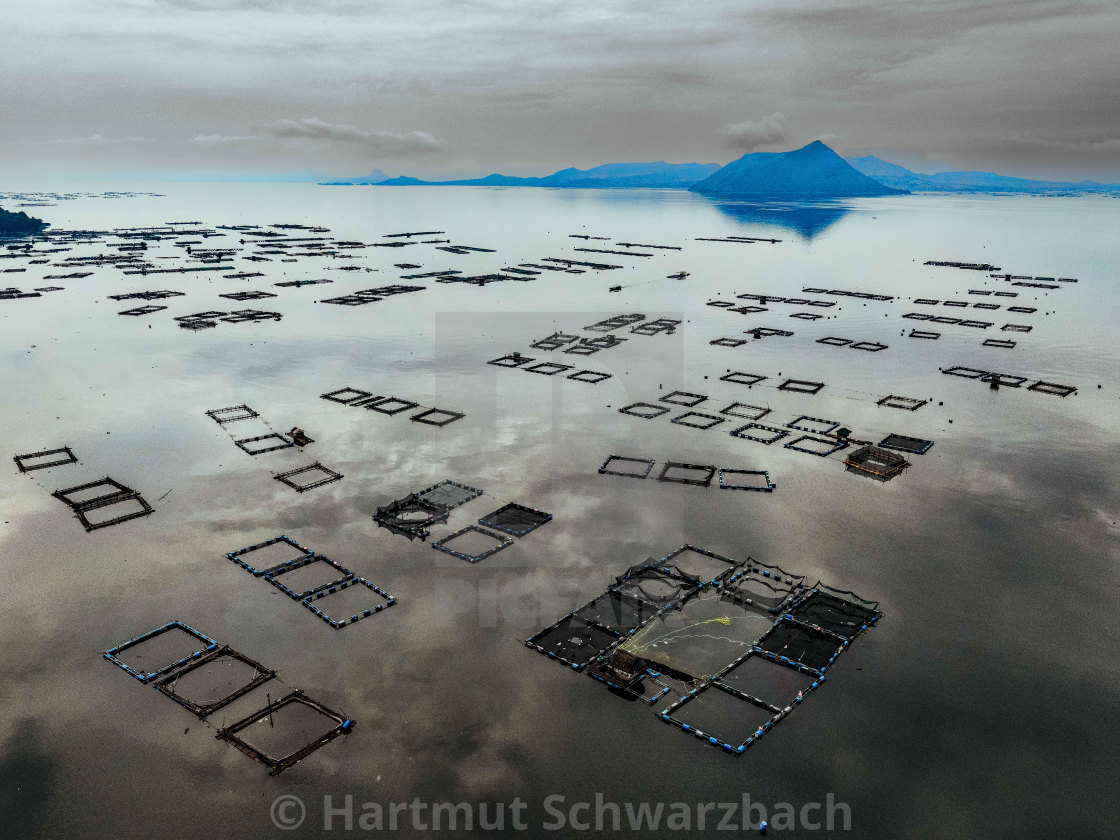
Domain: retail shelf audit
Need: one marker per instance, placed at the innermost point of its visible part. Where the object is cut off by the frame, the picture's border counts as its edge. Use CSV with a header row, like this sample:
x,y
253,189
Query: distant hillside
x,y
19,224
814,171
902,178
375,177
654,175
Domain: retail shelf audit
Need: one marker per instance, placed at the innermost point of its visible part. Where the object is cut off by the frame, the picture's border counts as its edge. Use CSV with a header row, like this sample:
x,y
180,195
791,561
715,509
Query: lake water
x,y
984,704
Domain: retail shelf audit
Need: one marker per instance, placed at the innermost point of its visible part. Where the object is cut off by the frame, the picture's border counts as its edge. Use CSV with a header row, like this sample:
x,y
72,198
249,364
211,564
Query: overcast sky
x,y
452,87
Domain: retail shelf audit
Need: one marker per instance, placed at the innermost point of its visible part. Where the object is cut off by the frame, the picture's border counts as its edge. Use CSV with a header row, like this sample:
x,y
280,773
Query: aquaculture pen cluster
x,y
205,677
647,635
644,638
415,514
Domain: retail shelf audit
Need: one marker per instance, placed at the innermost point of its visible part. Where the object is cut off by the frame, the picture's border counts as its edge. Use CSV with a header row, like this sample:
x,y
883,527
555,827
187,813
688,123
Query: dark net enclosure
x,y
214,681
515,519
285,731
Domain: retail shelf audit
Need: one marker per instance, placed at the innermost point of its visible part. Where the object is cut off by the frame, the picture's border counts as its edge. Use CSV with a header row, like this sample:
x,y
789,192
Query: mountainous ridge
x,y
651,175
813,171
899,177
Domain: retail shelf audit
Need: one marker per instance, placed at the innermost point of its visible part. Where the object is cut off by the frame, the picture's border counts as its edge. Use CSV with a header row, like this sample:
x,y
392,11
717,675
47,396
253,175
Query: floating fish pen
x,y
548,368
570,263
876,463
656,247
677,472
590,346
449,494
683,398
821,446
925,334
270,556
616,322
813,425
755,480
99,504
698,420
656,327
647,411
212,682
472,544
627,467
157,295
389,405
999,342
801,386
902,443
244,296
279,747
46,459
309,477
142,310
590,376
905,403
760,433
411,516
728,342
843,293
745,411
299,284
348,602
768,332
964,265
516,519
1052,388
261,444
152,654
514,359
740,378
554,341
617,253
437,417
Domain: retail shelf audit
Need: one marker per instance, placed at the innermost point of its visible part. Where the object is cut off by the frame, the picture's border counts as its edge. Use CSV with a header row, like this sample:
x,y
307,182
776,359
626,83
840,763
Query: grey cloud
x,y
748,136
385,142
535,87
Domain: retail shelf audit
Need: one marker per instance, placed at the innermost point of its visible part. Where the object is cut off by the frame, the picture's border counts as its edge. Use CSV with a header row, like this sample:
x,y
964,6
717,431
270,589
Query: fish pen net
x,y
410,516
722,716
839,612
700,638
214,681
515,519
449,494
46,459
269,556
876,463
472,544
801,644
345,602
158,651
573,641
767,682
285,731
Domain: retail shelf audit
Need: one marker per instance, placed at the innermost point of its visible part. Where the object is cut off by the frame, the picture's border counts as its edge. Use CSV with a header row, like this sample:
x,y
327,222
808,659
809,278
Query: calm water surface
x,y
983,705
